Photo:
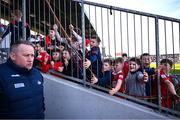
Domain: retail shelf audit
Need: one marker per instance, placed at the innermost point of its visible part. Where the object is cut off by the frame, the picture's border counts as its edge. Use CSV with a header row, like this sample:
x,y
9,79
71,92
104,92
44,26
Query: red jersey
x,y
48,40
45,67
166,100
126,68
57,64
116,77
41,59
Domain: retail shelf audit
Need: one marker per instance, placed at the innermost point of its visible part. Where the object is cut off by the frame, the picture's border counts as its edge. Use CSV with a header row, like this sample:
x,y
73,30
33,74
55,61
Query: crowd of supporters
x,y
132,76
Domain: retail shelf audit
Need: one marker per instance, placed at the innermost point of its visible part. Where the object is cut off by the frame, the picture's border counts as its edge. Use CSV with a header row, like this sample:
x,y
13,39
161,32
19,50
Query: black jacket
x,y
21,92
16,29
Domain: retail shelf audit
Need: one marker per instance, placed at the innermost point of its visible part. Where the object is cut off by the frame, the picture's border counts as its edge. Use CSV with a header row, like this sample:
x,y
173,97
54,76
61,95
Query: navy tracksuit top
x,y
21,92
16,29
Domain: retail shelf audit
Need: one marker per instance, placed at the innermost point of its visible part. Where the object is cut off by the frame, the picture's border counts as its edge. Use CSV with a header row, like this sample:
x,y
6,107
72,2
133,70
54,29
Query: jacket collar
x,y
17,68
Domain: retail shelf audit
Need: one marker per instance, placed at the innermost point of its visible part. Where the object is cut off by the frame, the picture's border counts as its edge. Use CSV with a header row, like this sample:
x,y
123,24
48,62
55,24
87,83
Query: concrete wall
x,y
67,100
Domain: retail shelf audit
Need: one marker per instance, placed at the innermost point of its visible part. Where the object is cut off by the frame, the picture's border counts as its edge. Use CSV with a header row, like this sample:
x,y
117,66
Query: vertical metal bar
x,y
173,43
121,32
70,21
70,12
179,39
0,10
165,38
83,40
49,19
141,35
108,32
89,22
24,18
59,17
76,14
95,20
39,10
96,29
148,35
134,18
29,22
34,12
103,47
59,6
54,9
65,23
114,32
127,32
158,59
44,19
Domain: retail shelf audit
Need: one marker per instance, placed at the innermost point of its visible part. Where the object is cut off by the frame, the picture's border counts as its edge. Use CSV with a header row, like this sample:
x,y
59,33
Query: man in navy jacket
x,y
21,85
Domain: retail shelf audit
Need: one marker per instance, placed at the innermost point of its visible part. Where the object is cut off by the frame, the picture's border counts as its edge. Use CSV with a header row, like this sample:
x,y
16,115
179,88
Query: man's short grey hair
x,y
14,47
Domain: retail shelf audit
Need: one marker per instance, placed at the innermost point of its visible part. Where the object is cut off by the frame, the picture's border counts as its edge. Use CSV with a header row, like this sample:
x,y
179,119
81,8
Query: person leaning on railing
x,y
168,92
136,79
16,28
146,61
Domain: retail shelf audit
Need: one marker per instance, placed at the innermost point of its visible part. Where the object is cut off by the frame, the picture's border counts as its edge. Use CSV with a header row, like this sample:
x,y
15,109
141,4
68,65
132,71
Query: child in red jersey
x,y
118,77
168,92
126,64
45,59
56,64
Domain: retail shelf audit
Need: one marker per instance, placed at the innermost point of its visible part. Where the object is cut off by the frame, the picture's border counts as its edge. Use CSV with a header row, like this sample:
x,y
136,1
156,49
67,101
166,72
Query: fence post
x,y
83,40
24,19
158,60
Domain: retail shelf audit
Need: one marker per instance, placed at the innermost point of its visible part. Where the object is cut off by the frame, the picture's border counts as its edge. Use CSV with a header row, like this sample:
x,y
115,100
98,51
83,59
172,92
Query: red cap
x,y
87,42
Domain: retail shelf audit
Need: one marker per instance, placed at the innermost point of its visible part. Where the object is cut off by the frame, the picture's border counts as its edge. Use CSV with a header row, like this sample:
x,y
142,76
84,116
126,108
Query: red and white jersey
x,y
116,77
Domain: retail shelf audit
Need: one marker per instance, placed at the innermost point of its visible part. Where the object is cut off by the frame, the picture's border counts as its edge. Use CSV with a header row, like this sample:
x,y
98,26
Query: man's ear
x,y
12,56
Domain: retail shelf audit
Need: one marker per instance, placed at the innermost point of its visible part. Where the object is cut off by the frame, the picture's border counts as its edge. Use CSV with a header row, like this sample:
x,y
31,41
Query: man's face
x,y
24,56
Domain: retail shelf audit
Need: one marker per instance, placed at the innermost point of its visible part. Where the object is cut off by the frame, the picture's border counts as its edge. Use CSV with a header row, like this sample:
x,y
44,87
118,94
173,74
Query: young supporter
x,y
105,80
126,64
51,42
69,65
44,59
168,93
56,63
118,77
146,61
93,63
136,79
16,28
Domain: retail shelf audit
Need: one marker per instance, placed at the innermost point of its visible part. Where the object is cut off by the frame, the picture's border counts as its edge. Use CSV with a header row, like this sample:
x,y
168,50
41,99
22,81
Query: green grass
x,y
175,69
